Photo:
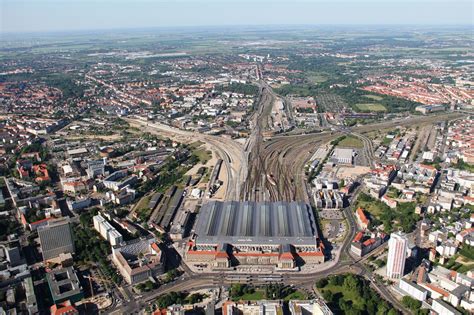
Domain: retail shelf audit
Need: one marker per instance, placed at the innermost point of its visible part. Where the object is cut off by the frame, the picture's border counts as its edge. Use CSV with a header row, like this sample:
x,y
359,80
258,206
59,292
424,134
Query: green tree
x,y
392,312
328,296
351,283
411,303
321,283
195,298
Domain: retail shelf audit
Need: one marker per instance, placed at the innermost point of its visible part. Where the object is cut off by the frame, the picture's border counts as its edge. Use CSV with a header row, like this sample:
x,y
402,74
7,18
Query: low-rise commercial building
x,y
139,260
315,307
64,285
55,239
343,156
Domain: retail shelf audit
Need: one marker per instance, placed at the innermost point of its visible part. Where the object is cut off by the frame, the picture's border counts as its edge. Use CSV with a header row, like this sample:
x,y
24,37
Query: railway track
x,y
253,187
273,170
286,156
276,167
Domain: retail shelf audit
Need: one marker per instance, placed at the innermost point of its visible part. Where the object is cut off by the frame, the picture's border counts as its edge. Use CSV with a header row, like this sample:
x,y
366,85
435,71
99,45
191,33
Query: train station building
x,y
278,234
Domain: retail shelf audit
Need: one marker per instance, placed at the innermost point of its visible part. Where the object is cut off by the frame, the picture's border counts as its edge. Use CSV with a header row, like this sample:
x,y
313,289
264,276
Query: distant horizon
x,y
249,27
52,16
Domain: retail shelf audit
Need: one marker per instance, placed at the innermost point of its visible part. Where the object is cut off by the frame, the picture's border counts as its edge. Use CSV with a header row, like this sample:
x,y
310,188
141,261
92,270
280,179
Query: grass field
x,y
352,142
371,107
203,155
347,295
386,141
257,295
195,145
317,77
143,203
142,207
298,295
370,207
374,97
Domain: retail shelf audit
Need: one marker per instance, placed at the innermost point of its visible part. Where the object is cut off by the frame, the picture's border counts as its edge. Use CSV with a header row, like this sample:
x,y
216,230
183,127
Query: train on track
x,y
271,179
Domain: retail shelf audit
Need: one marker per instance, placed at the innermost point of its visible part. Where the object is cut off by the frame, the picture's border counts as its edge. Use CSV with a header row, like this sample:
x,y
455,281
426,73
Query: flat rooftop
x,y
343,153
63,283
271,223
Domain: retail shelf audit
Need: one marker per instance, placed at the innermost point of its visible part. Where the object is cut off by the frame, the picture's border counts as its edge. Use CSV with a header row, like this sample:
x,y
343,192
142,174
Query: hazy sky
x,y
64,15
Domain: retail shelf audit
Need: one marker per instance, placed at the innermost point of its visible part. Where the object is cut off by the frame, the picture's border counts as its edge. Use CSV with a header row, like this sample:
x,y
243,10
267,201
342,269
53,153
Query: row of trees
x,y
91,249
338,140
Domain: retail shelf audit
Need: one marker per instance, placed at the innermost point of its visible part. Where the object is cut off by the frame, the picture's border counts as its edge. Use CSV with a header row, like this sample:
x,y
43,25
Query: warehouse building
x,y
278,234
343,156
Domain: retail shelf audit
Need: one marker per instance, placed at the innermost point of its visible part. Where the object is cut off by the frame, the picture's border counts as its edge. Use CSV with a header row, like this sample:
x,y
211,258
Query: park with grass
x,y
371,107
200,152
402,217
316,77
351,142
272,291
352,294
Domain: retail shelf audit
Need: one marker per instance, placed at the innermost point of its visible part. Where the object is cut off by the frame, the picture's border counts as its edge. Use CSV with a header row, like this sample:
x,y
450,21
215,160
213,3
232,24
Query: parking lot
x,y
331,214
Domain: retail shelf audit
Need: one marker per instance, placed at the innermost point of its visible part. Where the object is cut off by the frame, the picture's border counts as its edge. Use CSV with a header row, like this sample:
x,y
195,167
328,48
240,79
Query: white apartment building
x,y
397,252
106,230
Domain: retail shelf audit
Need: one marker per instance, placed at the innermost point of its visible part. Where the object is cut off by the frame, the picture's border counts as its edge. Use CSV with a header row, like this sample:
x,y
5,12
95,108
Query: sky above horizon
x,y
67,15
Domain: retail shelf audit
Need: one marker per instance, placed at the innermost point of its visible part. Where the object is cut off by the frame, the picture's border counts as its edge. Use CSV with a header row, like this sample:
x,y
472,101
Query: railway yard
x,y
271,167
207,171
276,165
